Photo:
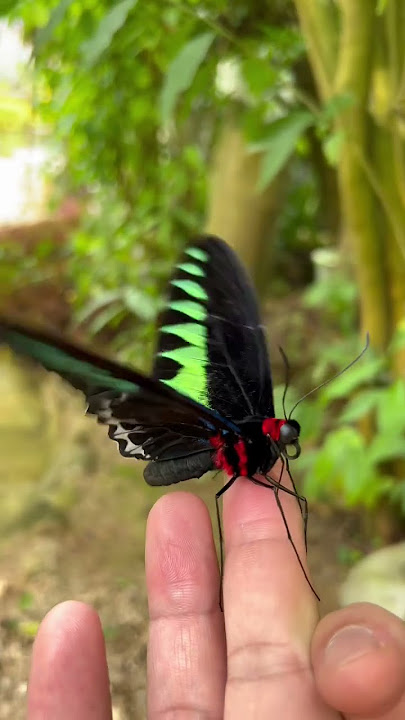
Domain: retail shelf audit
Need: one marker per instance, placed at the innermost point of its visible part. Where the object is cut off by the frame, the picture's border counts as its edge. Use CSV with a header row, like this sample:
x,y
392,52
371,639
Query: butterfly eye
x,y
288,434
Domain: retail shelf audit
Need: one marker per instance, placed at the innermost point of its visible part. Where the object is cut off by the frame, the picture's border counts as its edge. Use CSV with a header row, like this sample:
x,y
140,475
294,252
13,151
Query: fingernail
x,y
350,643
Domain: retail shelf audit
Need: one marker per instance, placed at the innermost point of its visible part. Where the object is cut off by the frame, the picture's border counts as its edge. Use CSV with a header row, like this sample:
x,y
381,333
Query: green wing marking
x,y
191,377
191,288
54,359
191,269
197,254
194,310
190,384
190,356
193,333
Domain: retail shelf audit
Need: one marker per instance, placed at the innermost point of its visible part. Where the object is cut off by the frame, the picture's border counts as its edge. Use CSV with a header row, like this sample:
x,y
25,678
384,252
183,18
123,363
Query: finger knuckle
x,y
261,660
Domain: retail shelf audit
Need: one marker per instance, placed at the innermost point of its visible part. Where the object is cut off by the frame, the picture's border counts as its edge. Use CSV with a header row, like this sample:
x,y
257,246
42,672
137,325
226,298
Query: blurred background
x,y
126,128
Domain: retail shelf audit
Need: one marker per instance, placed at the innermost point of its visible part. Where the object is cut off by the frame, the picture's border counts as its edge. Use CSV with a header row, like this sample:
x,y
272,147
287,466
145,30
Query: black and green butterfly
x,y
209,402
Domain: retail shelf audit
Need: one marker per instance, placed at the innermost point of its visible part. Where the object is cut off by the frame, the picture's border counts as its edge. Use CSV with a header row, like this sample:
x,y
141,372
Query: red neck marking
x,y
272,427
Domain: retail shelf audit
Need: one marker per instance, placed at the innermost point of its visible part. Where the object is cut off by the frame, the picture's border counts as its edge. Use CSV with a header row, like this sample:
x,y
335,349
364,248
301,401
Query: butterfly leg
x,y
301,499
276,487
221,538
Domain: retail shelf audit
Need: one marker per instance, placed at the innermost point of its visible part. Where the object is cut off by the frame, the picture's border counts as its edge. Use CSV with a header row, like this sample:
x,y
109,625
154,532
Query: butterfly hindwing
x,y
211,343
147,419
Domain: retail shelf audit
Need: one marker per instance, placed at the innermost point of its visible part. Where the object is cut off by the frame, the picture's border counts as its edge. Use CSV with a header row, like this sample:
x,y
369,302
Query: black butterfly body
x,y
209,402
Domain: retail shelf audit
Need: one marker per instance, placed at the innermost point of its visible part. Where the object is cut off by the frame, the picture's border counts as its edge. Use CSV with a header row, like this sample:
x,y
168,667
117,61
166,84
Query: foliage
x,y
279,144
349,466
336,295
15,120
135,94
141,164
182,71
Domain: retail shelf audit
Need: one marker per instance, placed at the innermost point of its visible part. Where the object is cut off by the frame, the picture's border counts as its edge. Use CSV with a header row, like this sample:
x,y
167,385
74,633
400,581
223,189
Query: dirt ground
x,y
93,551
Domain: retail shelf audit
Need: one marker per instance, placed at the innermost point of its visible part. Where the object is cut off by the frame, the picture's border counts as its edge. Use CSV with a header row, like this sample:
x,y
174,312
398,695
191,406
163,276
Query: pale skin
x,y
267,656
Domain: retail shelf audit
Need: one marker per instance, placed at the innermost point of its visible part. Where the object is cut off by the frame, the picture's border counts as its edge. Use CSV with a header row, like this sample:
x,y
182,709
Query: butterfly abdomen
x,y
167,472
230,455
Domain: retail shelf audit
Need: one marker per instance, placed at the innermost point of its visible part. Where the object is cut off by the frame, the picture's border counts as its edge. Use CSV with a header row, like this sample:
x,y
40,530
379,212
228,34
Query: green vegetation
x,y
277,126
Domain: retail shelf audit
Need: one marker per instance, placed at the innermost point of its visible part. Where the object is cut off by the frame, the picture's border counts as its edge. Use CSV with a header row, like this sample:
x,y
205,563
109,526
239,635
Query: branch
x,y
355,51
319,24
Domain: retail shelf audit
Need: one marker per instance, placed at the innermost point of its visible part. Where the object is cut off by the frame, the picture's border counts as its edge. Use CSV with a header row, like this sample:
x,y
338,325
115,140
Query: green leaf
x,y
318,476
333,108
390,414
386,447
361,405
182,71
7,5
398,341
95,304
108,26
45,33
259,76
332,147
280,144
105,318
364,371
28,628
139,304
26,601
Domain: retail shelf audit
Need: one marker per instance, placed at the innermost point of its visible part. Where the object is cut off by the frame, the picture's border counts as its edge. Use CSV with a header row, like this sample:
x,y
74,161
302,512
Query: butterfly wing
x,y
149,420
211,345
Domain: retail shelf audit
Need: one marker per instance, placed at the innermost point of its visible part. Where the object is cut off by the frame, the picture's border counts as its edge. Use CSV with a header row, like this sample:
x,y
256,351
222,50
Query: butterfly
x,y
209,401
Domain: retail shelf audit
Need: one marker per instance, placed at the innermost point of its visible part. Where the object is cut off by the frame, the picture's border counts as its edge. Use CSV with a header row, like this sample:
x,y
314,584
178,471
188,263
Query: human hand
x,y
267,656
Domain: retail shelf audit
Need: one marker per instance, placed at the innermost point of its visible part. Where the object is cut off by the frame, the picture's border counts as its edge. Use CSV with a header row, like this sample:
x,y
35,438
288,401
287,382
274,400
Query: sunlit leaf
x,y
280,143
259,76
44,34
28,628
112,21
106,317
140,304
318,476
386,447
182,71
398,341
361,405
390,414
7,5
356,477
333,145
95,304
364,371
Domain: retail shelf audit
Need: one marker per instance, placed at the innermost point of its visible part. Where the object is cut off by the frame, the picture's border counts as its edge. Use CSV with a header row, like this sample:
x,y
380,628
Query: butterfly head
x,y
289,437
285,433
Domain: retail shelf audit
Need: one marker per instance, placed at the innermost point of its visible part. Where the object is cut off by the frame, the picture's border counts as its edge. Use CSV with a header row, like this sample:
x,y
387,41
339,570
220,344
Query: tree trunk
x,y
239,213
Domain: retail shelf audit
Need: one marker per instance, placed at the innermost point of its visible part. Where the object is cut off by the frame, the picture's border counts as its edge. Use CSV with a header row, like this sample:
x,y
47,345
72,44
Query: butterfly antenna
x,y
329,380
287,378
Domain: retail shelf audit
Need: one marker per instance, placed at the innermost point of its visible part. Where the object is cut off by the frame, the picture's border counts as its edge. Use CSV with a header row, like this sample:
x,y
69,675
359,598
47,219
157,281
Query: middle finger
x,y
270,612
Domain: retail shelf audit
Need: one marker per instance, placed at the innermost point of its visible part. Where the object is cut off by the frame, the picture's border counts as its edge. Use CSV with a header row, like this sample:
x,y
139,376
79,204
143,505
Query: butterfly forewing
x,y
211,343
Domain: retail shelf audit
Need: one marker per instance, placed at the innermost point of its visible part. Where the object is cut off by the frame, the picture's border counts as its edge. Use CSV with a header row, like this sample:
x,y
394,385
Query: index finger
x,y
270,610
